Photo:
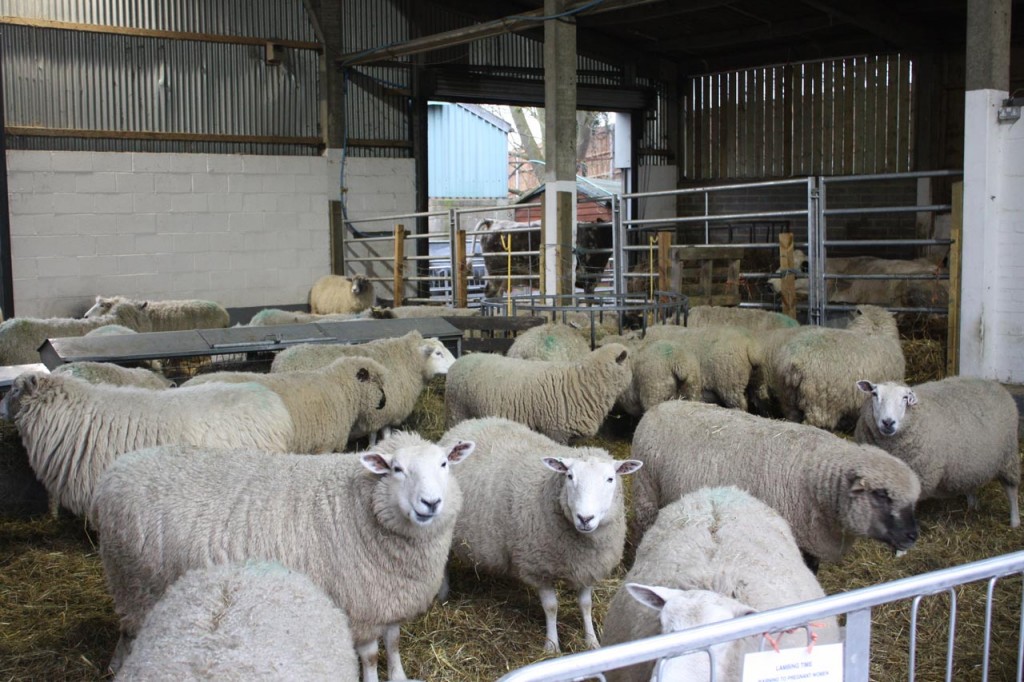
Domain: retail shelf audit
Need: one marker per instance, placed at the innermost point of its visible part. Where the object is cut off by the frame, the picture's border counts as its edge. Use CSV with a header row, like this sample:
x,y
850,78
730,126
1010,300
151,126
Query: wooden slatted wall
x,y
835,117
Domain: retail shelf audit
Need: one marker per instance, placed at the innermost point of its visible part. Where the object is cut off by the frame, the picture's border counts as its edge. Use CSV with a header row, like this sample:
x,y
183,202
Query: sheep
x,y
730,359
324,404
827,488
957,434
373,531
256,620
663,370
111,330
109,373
411,361
813,371
715,550
333,294
405,312
73,430
21,337
269,317
748,318
552,341
540,512
171,316
562,400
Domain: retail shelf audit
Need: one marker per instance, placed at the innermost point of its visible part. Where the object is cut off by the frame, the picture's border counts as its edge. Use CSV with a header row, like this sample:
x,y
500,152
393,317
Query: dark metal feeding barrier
x,y
629,311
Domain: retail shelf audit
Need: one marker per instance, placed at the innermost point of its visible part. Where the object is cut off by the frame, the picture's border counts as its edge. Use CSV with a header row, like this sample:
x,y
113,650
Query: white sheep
x,y
730,359
827,488
73,430
733,316
325,404
713,554
540,512
373,531
405,312
552,341
411,362
813,371
111,330
332,294
21,337
269,317
256,620
170,316
562,400
957,434
663,369
109,373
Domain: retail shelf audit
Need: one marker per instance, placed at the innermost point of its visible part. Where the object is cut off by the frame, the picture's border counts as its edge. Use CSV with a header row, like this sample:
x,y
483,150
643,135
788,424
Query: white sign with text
x,y
823,663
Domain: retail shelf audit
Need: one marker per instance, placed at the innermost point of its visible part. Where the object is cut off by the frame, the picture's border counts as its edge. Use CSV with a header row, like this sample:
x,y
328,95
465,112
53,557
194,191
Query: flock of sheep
x,y
225,551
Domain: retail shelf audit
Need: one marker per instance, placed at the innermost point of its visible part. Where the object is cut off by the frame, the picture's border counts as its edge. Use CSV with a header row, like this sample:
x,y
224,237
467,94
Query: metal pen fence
x,y
855,605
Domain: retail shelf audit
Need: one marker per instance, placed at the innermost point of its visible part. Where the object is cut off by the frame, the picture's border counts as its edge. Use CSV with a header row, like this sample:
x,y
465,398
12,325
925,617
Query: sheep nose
x,y
431,504
585,520
888,424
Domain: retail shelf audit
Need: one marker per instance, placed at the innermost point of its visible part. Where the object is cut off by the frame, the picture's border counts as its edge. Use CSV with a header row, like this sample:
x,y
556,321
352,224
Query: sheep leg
x,y
395,669
121,651
549,600
442,594
586,598
972,502
368,659
1011,494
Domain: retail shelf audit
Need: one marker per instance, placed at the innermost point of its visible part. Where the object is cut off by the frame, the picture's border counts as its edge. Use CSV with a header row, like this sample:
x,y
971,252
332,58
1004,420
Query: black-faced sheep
x,y
334,294
828,489
73,430
170,316
373,531
256,620
957,434
713,554
540,512
562,400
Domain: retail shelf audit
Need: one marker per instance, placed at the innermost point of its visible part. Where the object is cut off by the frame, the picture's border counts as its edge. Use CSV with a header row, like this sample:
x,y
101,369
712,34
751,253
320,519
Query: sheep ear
x,y
622,357
557,464
628,467
376,462
650,596
866,386
29,383
143,304
363,374
856,482
911,398
460,451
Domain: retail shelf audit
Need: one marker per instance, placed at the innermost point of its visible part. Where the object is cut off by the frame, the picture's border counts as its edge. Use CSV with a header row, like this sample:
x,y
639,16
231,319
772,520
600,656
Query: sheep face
x,y
25,386
876,511
684,609
102,306
590,487
439,358
360,284
889,404
417,477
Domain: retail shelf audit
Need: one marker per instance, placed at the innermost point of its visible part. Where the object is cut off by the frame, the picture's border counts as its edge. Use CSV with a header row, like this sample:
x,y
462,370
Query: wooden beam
x,y
39,131
156,33
745,36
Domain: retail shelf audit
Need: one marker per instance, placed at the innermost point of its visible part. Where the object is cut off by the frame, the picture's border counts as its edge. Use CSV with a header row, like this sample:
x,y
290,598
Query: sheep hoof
x,y
592,643
550,647
900,552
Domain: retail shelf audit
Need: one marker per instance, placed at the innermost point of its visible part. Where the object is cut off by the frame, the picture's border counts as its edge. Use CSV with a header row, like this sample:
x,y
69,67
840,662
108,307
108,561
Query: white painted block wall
x,y
243,230
992,292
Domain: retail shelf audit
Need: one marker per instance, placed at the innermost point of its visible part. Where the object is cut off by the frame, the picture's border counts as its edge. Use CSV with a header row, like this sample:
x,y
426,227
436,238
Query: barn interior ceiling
x,y
706,36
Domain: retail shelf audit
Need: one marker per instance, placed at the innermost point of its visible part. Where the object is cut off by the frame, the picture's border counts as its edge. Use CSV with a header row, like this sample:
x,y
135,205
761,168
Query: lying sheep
x,y
324,404
332,294
373,531
827,488
729,357
109,373
21,337
411,363
732,316
256,620
957,434
73,430
171,316
722,551
269,317
813,371
553,341
540,512
562,400
405,312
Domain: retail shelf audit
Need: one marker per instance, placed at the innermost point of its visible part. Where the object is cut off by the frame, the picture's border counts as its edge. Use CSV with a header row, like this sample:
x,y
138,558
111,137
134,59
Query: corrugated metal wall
x,y
468,155
76,80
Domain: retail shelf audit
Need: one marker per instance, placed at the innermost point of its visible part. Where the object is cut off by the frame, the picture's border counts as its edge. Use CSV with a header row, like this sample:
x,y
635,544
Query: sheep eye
x,y
398,469
880,495
444,464
610,479
569,476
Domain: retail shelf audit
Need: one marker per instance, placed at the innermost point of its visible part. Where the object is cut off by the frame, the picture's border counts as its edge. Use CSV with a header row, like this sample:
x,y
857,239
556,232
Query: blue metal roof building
x,y
467,152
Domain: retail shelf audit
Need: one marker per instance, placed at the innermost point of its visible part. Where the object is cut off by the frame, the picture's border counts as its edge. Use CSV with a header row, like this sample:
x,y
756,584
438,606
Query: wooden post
x,y
789,279
664,260
953,317
399,265
460,272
